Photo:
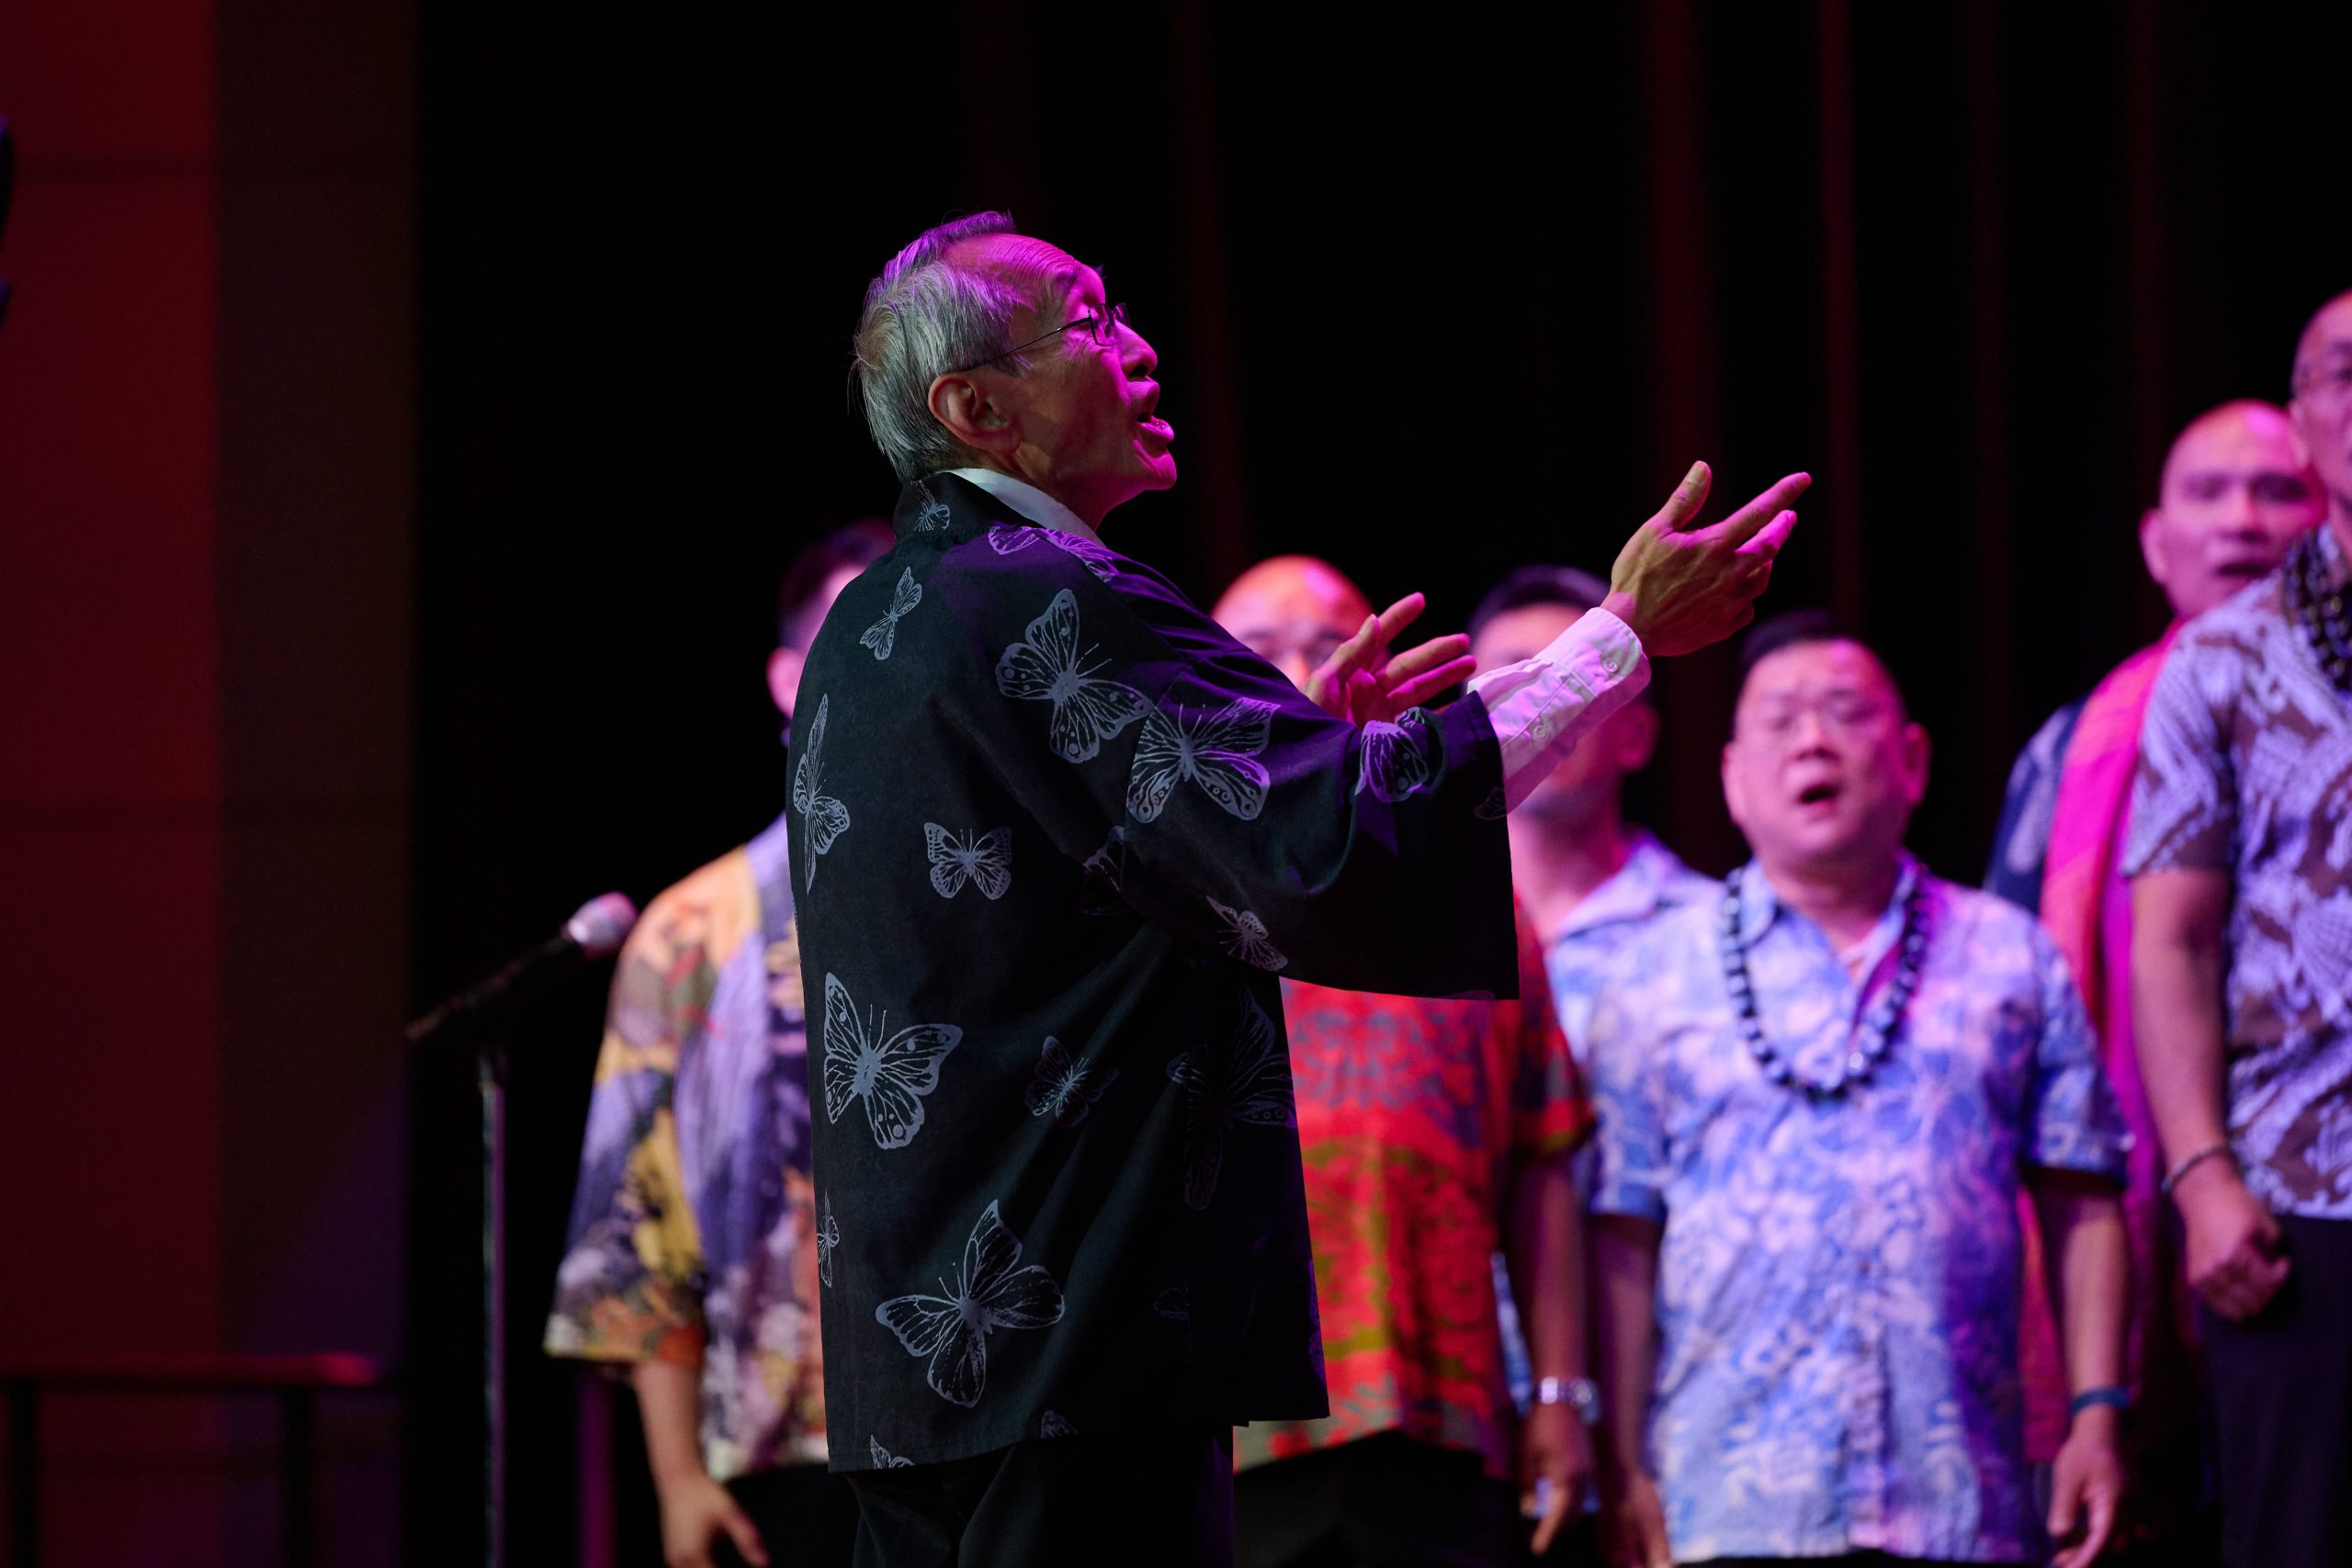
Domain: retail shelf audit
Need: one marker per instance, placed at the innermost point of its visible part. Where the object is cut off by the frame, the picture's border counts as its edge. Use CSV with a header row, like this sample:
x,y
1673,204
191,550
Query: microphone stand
x,y
489,1081
595,933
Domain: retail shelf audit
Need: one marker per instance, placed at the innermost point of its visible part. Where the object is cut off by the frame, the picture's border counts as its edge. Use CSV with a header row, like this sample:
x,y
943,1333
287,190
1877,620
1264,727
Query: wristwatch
x,y
1578,1394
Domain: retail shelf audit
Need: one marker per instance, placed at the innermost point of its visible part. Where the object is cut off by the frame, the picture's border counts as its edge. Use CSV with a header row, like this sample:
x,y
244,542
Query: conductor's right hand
x,y
1680,588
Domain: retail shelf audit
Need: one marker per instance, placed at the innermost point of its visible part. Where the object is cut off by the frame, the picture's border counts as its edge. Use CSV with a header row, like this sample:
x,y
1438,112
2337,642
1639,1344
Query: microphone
x,y
595,930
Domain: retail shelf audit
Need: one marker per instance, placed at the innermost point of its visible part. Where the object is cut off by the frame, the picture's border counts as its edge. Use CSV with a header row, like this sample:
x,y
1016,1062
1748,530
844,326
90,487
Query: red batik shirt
x,y
1414,1117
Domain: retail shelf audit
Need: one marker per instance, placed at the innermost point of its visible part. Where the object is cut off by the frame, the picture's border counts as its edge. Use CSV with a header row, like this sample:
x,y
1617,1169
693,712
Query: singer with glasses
x,y
698,1242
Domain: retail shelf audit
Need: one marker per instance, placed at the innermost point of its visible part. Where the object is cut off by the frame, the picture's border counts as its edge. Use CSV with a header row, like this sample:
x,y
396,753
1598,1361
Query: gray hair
x,y
923,318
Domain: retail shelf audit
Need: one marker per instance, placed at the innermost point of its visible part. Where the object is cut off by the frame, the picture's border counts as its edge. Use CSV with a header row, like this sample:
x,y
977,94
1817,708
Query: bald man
x,y
2233,495
1431,1131
2241,918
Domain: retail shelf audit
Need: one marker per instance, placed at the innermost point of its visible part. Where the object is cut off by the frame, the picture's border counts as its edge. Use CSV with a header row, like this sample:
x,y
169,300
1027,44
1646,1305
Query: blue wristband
x,y
2112,1396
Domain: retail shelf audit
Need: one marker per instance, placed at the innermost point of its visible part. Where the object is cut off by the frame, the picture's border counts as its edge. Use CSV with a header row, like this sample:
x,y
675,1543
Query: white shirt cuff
x,y
1541,706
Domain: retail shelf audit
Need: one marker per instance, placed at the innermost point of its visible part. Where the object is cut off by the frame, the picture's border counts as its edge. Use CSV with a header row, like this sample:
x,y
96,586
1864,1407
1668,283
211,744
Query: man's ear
x,y
1915,751
2150,521
973,415
784,677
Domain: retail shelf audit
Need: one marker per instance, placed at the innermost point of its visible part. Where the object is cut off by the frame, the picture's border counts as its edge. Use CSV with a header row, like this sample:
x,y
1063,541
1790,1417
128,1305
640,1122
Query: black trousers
x,y
806,1517
1152,1497
1377,1502
2282,1401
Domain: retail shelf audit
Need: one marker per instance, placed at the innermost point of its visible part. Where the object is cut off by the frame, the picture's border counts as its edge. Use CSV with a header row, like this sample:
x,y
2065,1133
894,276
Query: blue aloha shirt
x,y
1839,1280
1576,961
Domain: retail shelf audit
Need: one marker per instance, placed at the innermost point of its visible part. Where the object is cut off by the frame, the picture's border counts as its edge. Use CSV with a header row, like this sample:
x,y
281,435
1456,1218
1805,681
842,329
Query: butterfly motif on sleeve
x,y
891,1075
1175,1302
1103,891
1053,1424
1063,1090
1246,938
883,1457
1006,539
1494,807
1218,751
822,819
992,1290
984,859
1050,666
883,634
1242,1080
1393,762
829,1238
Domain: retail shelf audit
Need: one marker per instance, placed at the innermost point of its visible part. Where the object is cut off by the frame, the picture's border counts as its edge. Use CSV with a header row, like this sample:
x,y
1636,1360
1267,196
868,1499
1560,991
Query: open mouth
x,y
1822,793
2242,570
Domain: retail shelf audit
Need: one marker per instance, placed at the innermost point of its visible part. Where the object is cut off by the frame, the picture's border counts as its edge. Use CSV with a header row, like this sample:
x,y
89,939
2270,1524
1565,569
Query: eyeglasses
x,y
1101,325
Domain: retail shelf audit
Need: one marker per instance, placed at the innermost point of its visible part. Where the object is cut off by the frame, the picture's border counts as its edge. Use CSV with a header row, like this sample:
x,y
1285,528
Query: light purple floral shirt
x,y
1839,1280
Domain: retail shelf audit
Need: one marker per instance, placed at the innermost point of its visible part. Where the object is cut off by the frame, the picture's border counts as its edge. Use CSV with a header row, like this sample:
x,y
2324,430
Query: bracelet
x,y
2112,1395
2198,1157
1580,1395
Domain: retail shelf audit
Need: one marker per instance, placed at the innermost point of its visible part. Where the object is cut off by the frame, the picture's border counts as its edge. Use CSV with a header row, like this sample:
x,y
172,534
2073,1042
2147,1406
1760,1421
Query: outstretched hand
x,y
1360,683
1680,588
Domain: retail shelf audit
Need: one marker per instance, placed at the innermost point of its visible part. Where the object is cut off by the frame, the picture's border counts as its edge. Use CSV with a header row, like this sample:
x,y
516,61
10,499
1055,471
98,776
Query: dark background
x,y
408,407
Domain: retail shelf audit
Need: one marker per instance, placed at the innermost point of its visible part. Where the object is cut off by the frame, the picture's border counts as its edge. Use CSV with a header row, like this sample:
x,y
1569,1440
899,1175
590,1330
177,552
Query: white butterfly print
x,y
1106,874
822,819
1393,763
829,1236
1245,937
1064,1090
1053,1424
891,1076
883,634
990,1291
1008,540
984,859
934,514
1218,751
1174,1304
1050,666
883,1457
1494,809
1243,1080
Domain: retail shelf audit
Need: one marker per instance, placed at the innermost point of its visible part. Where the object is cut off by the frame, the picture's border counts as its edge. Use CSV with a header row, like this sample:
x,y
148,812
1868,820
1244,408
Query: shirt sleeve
x,y
629,1286
1244,818
2074,1122
2021,840
1550,1113
2184,797
1541,707
1630,1166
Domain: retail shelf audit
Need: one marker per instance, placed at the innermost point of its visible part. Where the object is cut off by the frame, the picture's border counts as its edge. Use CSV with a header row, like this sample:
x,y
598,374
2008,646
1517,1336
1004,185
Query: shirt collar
x,y
1029,500
1760,902
1632,892
2331,553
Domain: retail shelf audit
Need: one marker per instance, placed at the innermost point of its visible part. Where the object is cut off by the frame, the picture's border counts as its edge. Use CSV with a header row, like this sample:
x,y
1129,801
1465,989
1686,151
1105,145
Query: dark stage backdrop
x,y
1431,301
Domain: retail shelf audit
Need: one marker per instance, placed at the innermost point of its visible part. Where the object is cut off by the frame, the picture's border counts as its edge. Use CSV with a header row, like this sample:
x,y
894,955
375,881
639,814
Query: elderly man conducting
x,y
1057,833
1818,1101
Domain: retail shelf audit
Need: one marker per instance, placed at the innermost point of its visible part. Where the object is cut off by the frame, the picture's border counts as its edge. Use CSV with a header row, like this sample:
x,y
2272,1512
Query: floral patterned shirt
x,y
1579,958
1838,1280
694,1232
1414,1118
2246,767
